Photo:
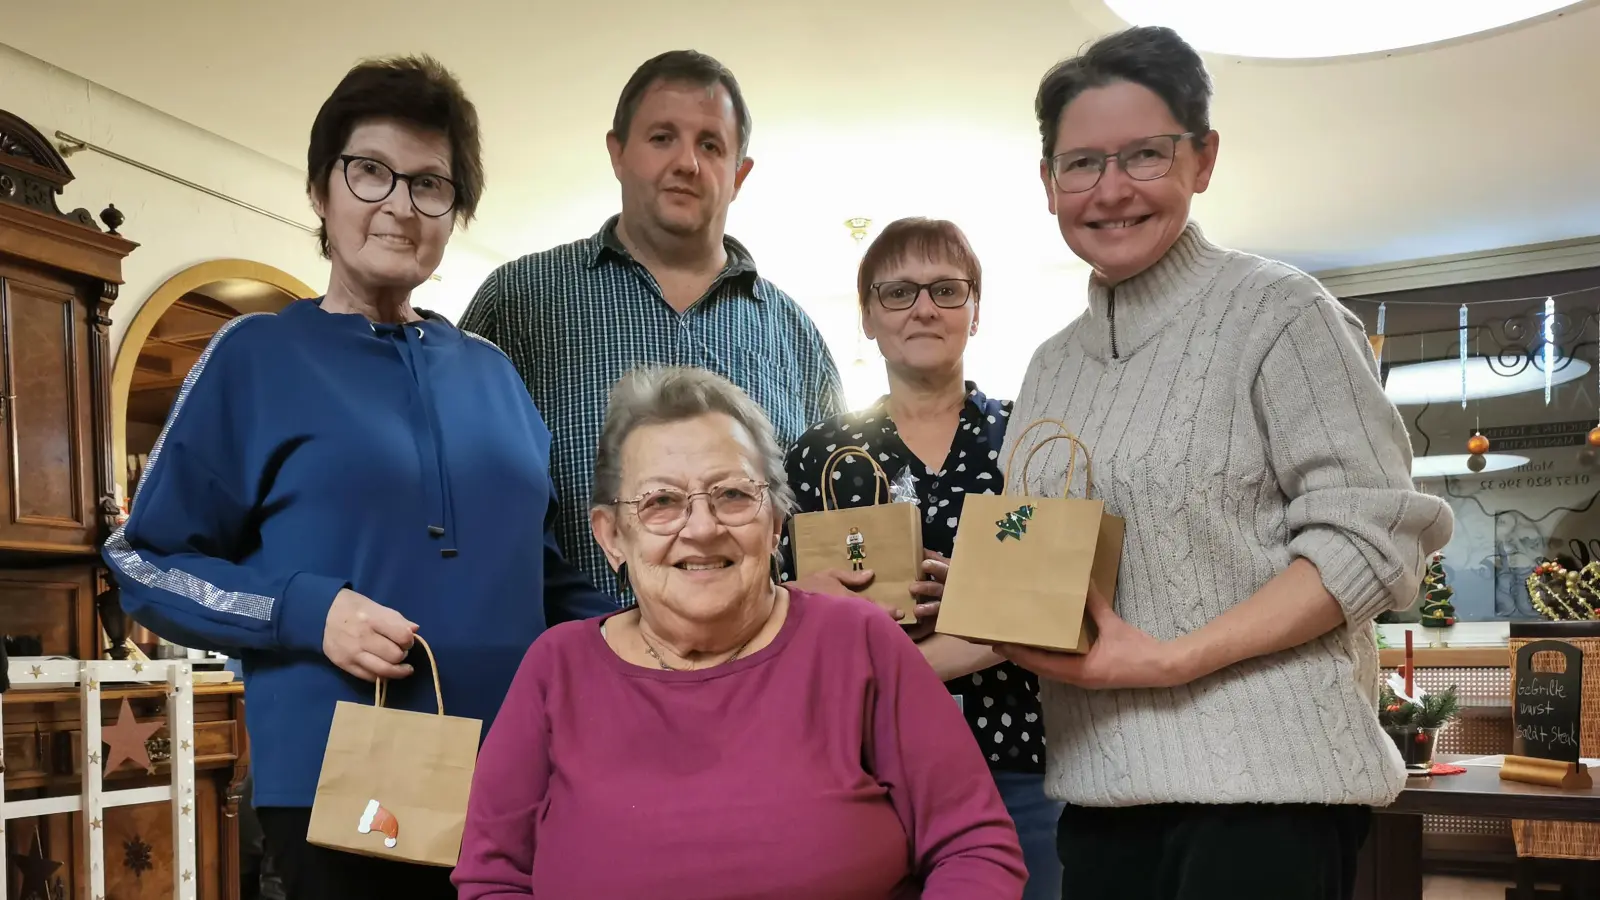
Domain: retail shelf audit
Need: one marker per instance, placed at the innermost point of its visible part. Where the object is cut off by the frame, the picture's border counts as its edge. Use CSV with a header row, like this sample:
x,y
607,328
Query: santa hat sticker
x,y
376,817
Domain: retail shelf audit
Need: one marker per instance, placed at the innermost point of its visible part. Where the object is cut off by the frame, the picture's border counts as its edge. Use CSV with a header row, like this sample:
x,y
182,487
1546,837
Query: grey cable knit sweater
x,y
1236,421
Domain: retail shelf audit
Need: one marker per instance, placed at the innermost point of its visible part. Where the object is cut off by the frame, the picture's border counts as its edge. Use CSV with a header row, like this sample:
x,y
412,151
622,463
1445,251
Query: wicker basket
x,y
1564,840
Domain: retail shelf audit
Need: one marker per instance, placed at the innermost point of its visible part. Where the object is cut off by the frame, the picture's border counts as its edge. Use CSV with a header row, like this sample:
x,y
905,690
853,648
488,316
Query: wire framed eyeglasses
x,y
665,511
1146,159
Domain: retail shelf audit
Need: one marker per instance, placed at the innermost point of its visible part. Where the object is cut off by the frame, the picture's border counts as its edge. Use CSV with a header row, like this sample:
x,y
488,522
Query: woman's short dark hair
x,y
1150,56
414,89
680,67
935,240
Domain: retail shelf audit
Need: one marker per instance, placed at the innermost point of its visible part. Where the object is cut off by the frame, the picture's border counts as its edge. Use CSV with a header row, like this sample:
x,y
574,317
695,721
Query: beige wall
x,y
175,226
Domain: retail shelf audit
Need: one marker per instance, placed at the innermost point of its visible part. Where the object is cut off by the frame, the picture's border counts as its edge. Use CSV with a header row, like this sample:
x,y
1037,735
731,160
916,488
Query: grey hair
x,y
661,396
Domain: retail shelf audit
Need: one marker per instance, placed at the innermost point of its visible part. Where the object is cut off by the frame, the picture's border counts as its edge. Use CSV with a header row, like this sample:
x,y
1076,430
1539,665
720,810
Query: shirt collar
x,y
976,400
1148,300
605,244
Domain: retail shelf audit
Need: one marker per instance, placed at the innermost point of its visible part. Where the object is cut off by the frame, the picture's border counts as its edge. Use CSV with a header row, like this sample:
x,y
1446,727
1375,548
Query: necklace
x,y
650,649
663,663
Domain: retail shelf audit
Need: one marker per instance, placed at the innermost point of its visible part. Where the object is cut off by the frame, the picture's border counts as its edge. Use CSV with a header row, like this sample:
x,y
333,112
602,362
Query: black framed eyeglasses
x,y
1146,159
946,293
665,511
373,181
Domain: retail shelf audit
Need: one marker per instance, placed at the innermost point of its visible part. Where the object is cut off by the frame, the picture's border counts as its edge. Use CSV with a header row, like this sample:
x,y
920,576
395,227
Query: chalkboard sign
x,y
1549,705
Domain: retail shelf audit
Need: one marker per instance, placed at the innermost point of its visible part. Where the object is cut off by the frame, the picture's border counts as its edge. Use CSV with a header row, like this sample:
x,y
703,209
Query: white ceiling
x,y
894,107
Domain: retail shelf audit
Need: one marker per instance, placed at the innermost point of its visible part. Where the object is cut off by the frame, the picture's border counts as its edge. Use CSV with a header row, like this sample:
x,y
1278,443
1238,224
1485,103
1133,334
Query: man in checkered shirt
x,y
660,284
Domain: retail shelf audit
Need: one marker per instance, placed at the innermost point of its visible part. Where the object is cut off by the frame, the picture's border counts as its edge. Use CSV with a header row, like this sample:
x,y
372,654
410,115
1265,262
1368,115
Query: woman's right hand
x,y
366,638
929,594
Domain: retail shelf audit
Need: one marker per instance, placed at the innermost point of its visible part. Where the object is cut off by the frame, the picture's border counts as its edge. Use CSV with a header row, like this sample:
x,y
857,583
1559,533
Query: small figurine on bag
x,y
856,543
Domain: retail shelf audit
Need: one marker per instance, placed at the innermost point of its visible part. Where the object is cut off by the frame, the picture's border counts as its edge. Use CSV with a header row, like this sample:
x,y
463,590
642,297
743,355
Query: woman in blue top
x,y
337,478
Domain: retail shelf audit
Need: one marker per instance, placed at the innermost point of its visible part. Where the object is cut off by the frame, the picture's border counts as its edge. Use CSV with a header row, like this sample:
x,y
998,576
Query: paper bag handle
x,y
1072,460
830,499
433,664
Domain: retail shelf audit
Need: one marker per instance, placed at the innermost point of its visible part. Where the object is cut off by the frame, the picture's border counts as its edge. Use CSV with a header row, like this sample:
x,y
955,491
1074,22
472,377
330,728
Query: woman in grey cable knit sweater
x,y
1220,739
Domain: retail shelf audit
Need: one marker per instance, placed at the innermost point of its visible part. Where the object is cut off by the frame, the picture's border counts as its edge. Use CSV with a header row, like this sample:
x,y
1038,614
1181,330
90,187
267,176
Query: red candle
x,y
1409,692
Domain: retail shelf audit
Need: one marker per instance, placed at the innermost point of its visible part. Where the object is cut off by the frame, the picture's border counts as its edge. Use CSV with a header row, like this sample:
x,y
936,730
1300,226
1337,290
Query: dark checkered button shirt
x,y
574,318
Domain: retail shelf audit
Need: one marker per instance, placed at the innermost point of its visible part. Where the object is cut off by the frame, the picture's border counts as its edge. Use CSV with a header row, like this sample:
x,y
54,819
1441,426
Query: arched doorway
x,y
165,338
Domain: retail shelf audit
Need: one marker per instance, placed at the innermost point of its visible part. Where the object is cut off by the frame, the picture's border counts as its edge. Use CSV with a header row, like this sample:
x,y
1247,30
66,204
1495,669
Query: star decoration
x,y
184,809
138,667
186,874
125,740
36,672
95,757
95,823
184,744
94,685
36,871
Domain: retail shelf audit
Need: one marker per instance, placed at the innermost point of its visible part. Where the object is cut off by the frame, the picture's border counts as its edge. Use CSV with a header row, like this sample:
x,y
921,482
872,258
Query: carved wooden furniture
x,y
59,274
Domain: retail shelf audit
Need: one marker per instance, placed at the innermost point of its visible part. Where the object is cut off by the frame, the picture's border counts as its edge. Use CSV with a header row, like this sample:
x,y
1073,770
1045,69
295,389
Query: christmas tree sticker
x,y
1436,609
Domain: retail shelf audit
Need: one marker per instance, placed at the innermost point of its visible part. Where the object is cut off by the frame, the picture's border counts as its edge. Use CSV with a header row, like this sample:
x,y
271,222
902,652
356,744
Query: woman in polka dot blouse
x,y
919,285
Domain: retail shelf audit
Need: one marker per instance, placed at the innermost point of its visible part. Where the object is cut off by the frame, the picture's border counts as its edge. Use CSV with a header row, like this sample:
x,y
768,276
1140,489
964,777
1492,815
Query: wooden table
x,y
1391,861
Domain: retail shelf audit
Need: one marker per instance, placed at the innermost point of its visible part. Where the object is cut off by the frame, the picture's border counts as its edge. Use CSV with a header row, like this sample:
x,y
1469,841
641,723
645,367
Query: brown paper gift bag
x,y
884,537
1022,565
394,783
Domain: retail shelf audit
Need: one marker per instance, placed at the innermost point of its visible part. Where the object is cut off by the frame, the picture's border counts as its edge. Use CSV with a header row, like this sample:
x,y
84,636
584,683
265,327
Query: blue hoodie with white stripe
x,y
311,451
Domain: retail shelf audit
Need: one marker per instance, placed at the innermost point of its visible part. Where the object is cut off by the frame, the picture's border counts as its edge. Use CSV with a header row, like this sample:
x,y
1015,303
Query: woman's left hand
x,y
1121,656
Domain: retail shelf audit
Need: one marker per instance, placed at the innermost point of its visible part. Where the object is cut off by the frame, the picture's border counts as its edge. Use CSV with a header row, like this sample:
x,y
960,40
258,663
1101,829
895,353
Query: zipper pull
x,y
1111,315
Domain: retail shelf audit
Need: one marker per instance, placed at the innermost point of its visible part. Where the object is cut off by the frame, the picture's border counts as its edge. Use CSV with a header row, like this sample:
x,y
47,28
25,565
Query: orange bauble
x,y
1477,444
1594,436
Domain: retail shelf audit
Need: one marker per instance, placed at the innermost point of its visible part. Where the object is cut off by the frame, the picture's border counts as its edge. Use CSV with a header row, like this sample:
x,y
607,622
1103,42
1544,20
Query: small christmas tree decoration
x,y
1430,711
1436,609
1413,724
1015,524
1477,446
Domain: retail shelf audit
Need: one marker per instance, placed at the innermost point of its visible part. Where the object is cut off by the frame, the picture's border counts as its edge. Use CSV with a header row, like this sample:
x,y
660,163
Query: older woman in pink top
x,y
728,737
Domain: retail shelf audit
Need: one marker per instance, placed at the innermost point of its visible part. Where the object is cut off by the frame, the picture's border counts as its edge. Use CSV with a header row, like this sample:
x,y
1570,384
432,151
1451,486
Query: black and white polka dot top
x,y
1001,704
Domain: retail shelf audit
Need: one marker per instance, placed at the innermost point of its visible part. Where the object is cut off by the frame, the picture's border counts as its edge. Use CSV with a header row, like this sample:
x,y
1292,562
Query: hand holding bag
x,y
884,537
394,783
1022,565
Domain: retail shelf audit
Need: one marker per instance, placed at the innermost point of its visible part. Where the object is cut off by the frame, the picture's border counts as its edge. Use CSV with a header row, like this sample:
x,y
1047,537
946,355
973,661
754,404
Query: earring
x,y
777,574
622,579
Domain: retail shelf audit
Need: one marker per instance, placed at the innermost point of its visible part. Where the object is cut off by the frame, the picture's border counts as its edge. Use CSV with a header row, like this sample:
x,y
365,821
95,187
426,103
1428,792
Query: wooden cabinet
x,y
54,604
47,474
59,274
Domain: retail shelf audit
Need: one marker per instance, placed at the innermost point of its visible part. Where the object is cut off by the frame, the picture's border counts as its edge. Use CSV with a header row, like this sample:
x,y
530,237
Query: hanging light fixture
x,y
859,226
1272,29
1441,380
1377,339
1450,464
